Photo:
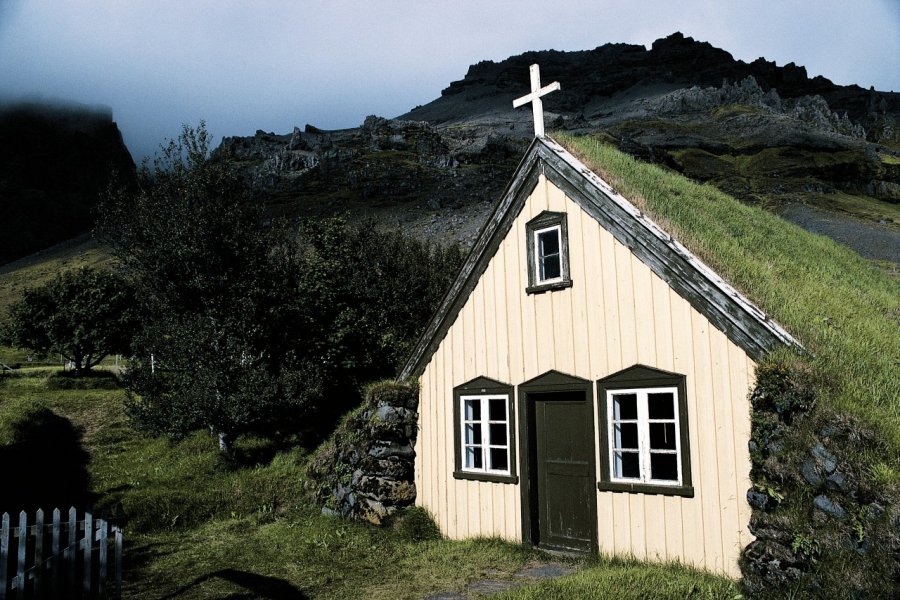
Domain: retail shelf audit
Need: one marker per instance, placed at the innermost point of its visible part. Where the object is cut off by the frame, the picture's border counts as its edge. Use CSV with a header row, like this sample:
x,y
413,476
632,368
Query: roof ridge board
x,y
644,219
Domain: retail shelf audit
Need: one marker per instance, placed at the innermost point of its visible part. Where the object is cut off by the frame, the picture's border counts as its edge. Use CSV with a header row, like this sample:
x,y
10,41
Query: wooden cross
x,y
535,98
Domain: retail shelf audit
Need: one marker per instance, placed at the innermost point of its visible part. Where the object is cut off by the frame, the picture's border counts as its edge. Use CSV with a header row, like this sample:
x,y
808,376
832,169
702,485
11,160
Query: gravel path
x,y
870,240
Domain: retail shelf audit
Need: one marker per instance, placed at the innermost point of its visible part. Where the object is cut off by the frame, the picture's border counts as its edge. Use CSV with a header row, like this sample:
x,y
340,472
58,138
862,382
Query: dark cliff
x,y
55,161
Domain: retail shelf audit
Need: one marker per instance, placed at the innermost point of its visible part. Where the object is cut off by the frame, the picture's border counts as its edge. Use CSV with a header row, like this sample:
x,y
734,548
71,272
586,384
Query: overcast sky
x,y
270,65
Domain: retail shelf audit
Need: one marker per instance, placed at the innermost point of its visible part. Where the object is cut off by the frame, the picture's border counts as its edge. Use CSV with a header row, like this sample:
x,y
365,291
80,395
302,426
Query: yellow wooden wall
x,y
616,314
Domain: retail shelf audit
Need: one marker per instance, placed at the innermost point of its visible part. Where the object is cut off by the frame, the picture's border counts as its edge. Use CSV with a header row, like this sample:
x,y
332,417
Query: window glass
x,y
662,436
625,406
644,435
548,256
485,434
497,409
664,467
661,405
473,457
627,465
499,461
473,433
473,410
626,435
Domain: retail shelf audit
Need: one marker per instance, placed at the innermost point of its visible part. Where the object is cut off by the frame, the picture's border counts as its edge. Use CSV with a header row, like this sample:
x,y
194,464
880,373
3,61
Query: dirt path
x,y
870,240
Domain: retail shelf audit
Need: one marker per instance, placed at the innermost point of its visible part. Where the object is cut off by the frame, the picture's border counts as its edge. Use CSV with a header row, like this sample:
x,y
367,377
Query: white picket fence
x,y
76,563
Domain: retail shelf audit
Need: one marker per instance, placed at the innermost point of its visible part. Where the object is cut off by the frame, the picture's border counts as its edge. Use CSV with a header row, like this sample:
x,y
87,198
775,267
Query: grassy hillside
x,y
844,309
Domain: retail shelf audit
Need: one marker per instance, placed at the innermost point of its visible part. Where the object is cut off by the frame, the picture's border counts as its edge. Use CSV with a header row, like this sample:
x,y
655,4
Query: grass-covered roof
x,y
843,308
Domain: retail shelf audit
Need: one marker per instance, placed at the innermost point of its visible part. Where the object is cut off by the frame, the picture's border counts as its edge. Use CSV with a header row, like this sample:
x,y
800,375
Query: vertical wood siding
x,y
616,314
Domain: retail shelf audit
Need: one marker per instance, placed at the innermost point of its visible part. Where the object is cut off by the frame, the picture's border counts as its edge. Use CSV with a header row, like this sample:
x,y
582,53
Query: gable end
x,y
729,311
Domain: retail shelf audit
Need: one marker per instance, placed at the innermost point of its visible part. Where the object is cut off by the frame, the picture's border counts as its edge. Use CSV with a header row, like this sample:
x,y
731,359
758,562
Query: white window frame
x,y
643,421
485,422
538,255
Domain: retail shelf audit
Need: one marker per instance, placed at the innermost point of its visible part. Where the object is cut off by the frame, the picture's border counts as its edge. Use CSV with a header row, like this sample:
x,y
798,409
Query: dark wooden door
x,y
566,495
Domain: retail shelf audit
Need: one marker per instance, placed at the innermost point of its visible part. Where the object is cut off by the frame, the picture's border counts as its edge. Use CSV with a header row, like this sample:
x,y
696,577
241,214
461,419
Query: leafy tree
x,y
84,315
212,352
252,327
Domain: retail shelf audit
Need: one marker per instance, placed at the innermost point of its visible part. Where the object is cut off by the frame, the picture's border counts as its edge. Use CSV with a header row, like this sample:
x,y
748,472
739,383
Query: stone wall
x,y
365,470
825,525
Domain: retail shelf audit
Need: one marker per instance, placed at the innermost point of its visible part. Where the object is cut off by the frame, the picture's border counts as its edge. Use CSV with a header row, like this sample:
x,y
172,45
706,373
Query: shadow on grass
x,y
257,586
45,466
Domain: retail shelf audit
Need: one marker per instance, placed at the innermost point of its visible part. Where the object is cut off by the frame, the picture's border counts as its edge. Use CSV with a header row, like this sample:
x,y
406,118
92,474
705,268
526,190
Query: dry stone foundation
x,y
365,471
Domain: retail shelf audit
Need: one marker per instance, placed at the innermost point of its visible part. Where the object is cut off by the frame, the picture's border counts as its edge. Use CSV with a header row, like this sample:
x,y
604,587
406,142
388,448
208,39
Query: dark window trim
x,y
542,221
642,376
551,381
484,386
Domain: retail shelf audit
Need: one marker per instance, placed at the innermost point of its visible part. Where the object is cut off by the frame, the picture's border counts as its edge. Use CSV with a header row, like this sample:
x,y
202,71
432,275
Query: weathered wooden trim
x,y
742,321
642,376
548,219
485,386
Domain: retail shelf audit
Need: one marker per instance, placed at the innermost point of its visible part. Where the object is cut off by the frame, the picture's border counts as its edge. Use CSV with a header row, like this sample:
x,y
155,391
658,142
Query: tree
x,y
212,351
84,315
258,328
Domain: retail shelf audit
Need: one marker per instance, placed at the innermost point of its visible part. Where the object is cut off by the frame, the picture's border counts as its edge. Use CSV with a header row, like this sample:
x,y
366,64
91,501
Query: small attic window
x,y
548,253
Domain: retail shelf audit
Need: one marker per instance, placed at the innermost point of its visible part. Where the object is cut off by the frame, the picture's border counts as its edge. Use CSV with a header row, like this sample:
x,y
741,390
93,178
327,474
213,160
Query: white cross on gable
x,y
535,98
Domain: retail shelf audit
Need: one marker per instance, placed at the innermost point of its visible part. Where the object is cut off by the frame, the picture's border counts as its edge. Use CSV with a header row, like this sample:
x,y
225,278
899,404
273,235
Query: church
x,y
584,386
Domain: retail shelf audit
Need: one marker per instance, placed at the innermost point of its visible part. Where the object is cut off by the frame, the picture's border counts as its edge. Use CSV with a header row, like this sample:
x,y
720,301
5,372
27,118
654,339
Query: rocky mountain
x,y
764,133
54,162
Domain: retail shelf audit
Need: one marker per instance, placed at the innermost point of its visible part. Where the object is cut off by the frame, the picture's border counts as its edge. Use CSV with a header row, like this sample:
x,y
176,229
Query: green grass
x,y
40,268
619,579
844,309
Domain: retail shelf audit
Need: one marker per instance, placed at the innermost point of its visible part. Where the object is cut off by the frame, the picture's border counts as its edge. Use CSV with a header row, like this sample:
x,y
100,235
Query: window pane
x,y
498,459
473,457
664,466
625,435
550,268
627,465
662,436
661,405
473,433
497,409
624,406
498,434
473,410
548,242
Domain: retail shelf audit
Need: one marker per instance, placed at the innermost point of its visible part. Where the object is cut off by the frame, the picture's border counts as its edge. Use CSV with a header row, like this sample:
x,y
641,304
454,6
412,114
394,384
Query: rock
x,y
771,564
826,459
757,499
874,511
829,506
839,482
810,472
372,511
388,491
392,449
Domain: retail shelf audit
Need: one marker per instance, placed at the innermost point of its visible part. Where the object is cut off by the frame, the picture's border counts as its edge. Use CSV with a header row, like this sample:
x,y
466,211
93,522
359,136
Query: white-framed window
x,y
644,436
485,439
548,254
